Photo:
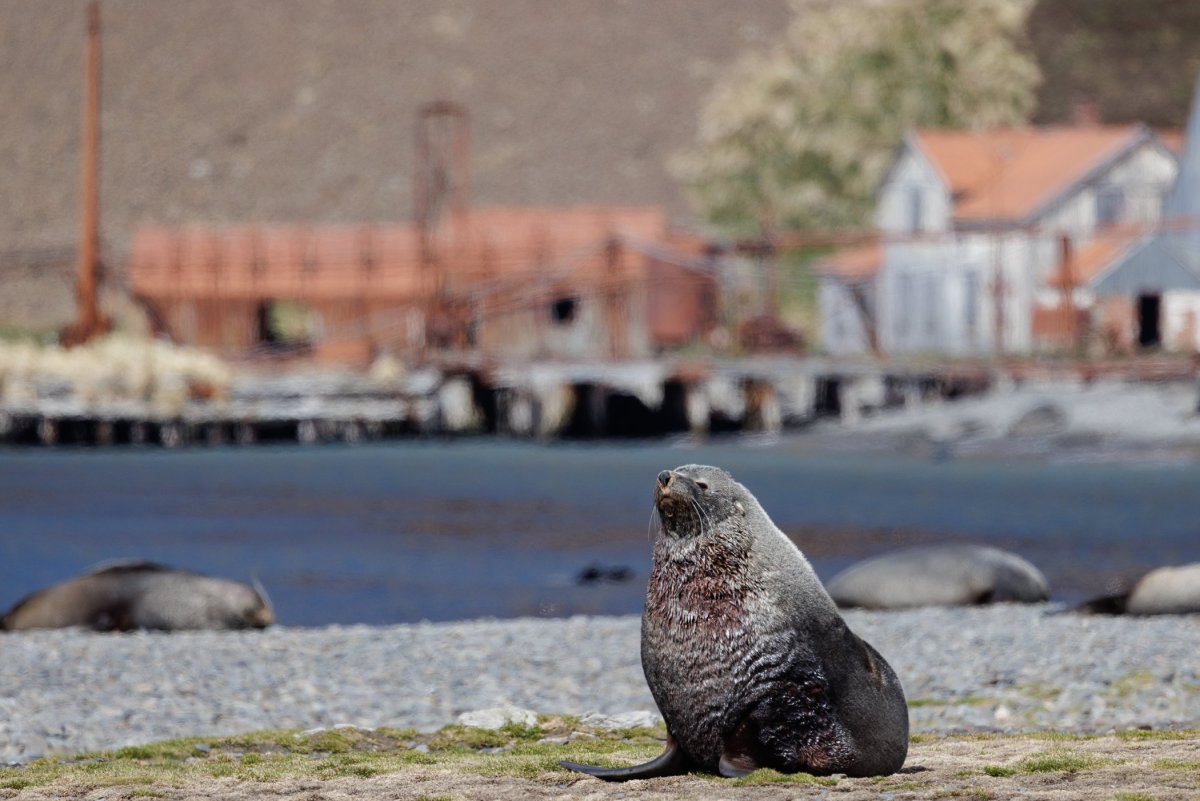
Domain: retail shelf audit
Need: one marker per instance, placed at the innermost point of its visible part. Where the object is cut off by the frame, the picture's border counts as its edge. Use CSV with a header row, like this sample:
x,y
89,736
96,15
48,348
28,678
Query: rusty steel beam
x,y
441,173
89,322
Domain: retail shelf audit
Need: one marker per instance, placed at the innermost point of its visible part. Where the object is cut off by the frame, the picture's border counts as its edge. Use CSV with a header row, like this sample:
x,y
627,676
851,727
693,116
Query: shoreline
x,y
1001,669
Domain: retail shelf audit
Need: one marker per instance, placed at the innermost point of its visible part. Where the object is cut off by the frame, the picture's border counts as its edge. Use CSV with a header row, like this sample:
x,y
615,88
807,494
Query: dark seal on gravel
x,y
129,595
746,654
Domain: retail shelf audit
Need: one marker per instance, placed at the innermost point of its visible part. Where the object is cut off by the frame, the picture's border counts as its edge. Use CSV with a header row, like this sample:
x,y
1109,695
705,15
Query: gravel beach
x,y
1001,668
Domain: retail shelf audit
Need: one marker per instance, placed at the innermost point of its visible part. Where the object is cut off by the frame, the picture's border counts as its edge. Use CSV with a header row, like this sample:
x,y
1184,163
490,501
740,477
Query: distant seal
x,y
128,595
1163,591
938,575
745,653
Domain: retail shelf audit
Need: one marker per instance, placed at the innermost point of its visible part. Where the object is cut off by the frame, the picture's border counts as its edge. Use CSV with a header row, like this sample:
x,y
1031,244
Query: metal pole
x,y
1067,299
89,316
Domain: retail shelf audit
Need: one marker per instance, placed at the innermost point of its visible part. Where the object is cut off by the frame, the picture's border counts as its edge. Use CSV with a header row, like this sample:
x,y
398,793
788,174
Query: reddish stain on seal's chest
x,y
708,593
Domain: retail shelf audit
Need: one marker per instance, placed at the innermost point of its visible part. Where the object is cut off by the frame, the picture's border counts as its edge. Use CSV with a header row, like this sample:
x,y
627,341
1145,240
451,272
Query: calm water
x,y
449,530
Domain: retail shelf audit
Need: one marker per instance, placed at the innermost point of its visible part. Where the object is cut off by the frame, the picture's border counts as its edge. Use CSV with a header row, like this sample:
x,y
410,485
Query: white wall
x,y
1177,306
1144,176
894,201
941,296
841,327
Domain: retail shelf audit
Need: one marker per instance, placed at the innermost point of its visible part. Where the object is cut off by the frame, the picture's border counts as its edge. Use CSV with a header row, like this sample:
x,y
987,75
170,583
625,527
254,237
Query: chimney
x,y
1085,113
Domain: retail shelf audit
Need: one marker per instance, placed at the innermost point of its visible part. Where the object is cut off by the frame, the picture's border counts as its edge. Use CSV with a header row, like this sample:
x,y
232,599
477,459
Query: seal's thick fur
x,y
746,654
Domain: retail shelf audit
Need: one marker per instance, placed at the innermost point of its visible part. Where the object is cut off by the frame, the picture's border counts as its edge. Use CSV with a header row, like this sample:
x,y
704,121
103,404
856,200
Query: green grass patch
x,y
1158,734
1133,797
768,776
1058,736
1131,683
344,752
529,752
1043,692
1059,760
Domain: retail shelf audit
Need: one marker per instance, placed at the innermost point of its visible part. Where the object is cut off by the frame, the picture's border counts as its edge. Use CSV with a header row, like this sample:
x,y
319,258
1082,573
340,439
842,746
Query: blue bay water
x,y
444,530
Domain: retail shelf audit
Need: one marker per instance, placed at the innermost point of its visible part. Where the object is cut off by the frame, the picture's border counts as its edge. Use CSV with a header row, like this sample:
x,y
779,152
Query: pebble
x,y
68,691
497,717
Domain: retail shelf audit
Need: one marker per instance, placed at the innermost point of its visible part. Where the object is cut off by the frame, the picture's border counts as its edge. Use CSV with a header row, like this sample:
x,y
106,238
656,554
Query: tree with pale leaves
x,y
799,137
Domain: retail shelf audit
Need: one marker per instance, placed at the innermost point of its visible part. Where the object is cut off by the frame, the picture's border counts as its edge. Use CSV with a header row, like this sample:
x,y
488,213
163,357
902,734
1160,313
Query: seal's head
x,y
693,500
240,607
178,600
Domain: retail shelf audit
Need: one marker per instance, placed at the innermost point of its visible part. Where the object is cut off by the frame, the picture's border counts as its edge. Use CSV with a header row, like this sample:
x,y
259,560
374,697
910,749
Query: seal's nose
x,y
664,478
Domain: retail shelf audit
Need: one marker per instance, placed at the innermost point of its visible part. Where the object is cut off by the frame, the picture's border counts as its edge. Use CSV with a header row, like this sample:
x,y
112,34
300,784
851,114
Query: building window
x,y
1110,205
563,310
916,209
932,307
970,302
905,308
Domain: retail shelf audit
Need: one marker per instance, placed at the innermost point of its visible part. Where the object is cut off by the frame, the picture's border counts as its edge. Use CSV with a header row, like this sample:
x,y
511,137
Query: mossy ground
x,y
1142,763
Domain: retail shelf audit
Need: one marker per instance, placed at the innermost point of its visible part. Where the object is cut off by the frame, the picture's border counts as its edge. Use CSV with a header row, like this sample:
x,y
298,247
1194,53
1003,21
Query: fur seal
x,y
938,575
1162,591
745,653
128,595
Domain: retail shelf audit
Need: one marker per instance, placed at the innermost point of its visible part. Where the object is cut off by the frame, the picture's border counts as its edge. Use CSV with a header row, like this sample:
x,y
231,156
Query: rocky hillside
x,y
1136,62
304,109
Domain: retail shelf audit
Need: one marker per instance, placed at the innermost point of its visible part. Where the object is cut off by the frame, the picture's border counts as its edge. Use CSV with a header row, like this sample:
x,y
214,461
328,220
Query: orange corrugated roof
x,y
487,243
1008,174
854,264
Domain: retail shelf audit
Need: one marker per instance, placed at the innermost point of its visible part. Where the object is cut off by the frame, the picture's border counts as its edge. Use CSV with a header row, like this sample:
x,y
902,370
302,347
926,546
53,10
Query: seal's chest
x,y
697,601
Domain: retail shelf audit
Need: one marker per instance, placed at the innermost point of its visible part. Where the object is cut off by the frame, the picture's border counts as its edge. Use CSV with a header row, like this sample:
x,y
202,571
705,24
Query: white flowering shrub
x,y
799,137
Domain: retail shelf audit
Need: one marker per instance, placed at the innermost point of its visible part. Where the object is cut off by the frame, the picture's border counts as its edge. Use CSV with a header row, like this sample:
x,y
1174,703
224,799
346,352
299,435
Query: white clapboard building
x,y
974,228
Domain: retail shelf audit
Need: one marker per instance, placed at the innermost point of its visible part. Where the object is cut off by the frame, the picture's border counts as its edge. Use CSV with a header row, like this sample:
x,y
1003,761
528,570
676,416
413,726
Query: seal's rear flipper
x,y
734,765
1105,605
670,762
740,747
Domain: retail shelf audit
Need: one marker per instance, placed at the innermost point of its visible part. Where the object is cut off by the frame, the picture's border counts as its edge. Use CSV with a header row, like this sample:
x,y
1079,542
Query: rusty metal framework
x,y
441,172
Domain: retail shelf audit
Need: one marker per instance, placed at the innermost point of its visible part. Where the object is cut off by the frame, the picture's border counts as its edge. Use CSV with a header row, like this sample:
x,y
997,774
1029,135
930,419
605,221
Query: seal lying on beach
x,y
938,575
745,653
128,595
1163,591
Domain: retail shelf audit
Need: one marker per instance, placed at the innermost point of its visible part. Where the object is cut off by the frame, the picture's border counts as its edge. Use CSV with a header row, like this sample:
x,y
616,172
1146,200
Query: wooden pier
x,y
541,400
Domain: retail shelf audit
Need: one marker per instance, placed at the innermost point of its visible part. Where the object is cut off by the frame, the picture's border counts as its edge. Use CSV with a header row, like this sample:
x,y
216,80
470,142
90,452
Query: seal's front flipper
x,y
671,762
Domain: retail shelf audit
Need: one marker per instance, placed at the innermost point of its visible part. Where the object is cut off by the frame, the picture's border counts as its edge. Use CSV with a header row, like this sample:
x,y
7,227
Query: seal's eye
x,y
702,485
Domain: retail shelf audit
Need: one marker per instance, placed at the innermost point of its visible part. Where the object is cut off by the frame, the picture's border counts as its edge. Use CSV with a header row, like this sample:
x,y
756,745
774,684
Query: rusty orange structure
x,y
584,283
89,322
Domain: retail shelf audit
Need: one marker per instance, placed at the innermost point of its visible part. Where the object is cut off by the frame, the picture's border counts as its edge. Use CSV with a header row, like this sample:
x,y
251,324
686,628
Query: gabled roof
x,y
1155,264
1011,174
